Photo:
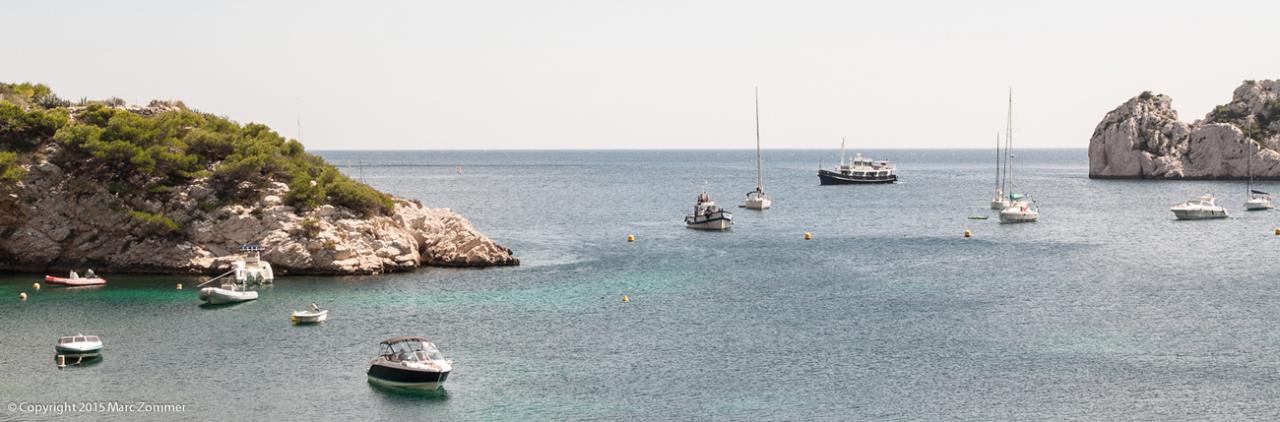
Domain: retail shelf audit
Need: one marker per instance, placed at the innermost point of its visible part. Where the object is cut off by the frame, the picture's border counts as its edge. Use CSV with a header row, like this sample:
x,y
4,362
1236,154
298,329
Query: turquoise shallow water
x,y
1105,309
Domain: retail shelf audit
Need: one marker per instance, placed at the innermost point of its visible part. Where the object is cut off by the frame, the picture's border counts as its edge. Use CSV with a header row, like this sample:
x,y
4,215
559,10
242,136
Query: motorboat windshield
x,y
411,351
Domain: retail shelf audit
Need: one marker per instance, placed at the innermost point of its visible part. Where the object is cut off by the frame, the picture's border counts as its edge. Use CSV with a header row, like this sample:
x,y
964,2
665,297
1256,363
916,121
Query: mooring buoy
x,y
632,238
808,236
35,286
968,233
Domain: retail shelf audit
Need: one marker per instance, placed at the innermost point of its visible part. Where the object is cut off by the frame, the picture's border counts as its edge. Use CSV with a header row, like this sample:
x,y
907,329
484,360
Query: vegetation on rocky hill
x,y
147,151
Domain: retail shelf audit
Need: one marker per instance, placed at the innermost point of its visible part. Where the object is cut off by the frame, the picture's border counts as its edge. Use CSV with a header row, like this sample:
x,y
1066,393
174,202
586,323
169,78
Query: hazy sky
x,y
478,74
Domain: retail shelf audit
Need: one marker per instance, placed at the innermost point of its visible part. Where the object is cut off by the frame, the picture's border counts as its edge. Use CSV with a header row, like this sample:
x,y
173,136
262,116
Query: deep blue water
x,y
1106,309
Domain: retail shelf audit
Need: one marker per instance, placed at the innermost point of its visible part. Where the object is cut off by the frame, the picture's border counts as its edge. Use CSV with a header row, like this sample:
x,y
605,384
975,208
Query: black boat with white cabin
x,y
410,362
861,171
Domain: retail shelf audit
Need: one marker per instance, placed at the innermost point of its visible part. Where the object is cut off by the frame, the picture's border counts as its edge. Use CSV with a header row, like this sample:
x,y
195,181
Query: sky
x,y
655,74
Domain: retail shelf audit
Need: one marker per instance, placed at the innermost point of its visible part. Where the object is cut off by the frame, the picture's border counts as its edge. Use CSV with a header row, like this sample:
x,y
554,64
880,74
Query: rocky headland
x,y
1144,139
164,189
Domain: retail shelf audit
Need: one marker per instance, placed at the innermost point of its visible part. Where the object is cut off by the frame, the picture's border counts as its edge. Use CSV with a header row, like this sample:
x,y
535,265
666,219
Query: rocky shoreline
x,y
1144,139
52,222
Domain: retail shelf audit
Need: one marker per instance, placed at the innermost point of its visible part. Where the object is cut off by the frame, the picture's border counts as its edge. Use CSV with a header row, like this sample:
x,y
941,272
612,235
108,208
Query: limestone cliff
x,y
1144,139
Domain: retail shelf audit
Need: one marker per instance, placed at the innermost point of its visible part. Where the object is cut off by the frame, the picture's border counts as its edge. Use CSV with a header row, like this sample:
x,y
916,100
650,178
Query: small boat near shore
x,y
312,315
78,344
73,280
227,293
707,216
1202,208
250,269
409,362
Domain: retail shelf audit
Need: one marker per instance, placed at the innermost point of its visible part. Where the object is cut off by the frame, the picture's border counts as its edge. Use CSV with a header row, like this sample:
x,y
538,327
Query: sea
x,y
1107,308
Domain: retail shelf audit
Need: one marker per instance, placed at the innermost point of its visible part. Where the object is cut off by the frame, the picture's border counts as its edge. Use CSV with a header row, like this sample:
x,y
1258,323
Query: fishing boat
x,y
862,171
409,362
250,269
1000,201
707,216
227,293
78,344
312,315
1202,208
1021,208
757,200
73,279
1258,200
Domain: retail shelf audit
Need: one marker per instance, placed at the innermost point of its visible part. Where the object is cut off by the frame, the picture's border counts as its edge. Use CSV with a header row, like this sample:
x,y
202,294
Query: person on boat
x,y
315,308
90,274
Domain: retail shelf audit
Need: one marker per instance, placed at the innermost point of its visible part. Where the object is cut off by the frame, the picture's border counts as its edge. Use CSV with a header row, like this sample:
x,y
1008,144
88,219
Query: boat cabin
x,y
77,339
866,167
409,349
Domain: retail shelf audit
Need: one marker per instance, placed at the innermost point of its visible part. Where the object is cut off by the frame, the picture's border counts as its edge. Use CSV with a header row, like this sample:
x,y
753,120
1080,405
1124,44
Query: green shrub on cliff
x,y
10,171
22,130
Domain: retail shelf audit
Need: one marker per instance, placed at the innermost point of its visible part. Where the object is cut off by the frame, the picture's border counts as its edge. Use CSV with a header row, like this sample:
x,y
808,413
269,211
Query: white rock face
x,y
1143,139
45,225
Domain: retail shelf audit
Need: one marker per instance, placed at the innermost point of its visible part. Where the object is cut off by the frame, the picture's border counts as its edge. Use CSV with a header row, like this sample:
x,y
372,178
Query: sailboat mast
x,y
842,152
998,190
1008,149
1248,187
759,172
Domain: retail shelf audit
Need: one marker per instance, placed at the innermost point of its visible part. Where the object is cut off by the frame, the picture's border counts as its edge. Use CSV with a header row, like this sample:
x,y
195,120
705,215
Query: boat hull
x,y
713,223
74,281
757,203
401,377
217,296
1199,214
78,349
1019,216
309,317
998,204
1258,205
826,177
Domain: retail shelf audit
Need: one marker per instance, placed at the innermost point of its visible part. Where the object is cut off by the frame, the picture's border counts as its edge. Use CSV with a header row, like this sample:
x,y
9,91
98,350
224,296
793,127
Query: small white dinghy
x,y
313,315
228,293
79,344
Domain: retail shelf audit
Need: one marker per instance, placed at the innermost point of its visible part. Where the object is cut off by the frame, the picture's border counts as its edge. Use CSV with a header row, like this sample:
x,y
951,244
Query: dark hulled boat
x,y
860,172
410,362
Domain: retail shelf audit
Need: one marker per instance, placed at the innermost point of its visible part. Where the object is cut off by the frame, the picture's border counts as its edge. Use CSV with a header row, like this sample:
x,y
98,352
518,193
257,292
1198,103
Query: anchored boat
x,y
1202,208
757,199
1021,208
250,268
73,279
409,362
79,344
227,293
312,315
862,171
707,216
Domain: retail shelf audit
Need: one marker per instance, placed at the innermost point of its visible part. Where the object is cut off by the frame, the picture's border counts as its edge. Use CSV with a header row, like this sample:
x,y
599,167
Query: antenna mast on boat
x,y
759,172
842,151
1008,148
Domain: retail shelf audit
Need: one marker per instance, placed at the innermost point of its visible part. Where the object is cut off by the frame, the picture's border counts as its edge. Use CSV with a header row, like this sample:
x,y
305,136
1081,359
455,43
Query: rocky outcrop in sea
x,y
53,220
1144,139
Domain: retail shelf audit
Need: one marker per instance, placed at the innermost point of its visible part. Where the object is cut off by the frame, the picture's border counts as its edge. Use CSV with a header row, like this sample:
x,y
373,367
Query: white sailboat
x,y
1258,200
1000,201
1021,208
757,199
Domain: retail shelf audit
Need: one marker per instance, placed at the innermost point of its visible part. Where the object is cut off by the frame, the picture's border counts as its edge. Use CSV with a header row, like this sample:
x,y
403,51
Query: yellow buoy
x,y
808,236
35,286
1278,231
626,298
22,296
968,233
632,238
179,286
62,361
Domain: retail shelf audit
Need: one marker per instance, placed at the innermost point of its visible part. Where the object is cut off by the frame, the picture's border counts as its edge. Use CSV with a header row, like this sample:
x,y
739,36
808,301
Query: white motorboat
x,y
1258,200
250,269
227,293
1204,207
312,315
757,199
707,216
79,344
410,362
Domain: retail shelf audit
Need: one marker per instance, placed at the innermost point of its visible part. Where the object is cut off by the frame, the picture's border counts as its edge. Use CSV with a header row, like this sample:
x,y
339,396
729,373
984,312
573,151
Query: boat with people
x,y
757,199
707,216
1202,208
227,293
409,362
1021,208
78,344
861,171
250,269
75,280
312,315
